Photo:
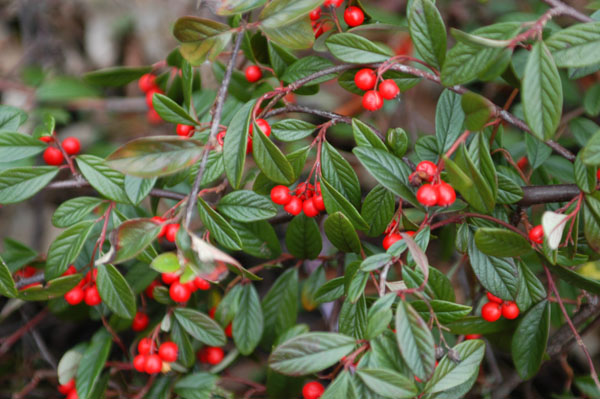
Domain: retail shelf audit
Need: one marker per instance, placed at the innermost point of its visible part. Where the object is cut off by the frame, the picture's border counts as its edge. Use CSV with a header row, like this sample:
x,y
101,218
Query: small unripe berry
x,y
171,231
139,363
140,321
491,311
389,89
253,73
390,239
294,206
428,168
179,292
147,82
315,14
53,156
312,390
365,79
184,130
427,195
494,298
92,296
446,194
168,351
510,310
153,364
280,195
372,100
354,16
71,145
536,234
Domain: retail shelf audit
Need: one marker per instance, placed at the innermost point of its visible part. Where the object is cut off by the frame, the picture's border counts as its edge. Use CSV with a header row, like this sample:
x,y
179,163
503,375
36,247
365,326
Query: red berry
x,y
372,100
150,289
334,3
494,298
212,311
150,95
201,284
280,195
263,125
140,321
45,139
294,206
510,310
179,292
71,145
168,351
92,296
153,364
253,73
312,390
147,82
446,194
598,174
171,231
153,117
221,137
315,14
170,278
389,89
319,203
354,16
159,220
472,336
184,130
427,195
70,271
536,234
145,346
522,163
390,239
66,388
139,363
213,355
365,79
308,206
74,296
53,156
72,394
229,330
428,168
491,311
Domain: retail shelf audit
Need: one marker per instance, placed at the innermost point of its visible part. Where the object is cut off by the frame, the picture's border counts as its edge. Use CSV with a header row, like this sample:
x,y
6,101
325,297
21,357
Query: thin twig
x,y
567,10
13,338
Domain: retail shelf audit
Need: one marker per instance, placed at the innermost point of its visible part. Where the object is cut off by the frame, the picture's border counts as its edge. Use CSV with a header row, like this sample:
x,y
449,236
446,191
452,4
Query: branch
x,y
81,183
564,9
214,127
547,194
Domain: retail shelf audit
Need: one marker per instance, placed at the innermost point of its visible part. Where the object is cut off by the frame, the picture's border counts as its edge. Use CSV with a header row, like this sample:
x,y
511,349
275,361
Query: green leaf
x,y
201,38
388,383
309,353
530,289
427,31
348,47
576,279
477,325
364,136
353,316
585,176
92,362
537,151
280,305
7,284
336,202
186,355
64,89
576,46
219,228
200,326
280,13
235,143
478,110
15,146
138,188
445,311
292,129
542,92
330,291
497,275
590,154
132,237
377,210
415,341
388,170
307,66
591,100
54,289
509,192
582,129
449,374
170,111
303,237
155,156
449,119
115,292
67,366
248,321
530,339
466,61
19,184
11,118
380,315
501,242
115,76
65,248
338,172
341,387
102,177
341,233
270,159
232,7
246,206
166,263
296,36
310,287
258,239
196,385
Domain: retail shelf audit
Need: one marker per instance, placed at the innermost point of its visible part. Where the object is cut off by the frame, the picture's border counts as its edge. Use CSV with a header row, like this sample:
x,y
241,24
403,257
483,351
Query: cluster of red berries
x,y
440,194
147,361
262,124
496,307
86,290
181,292
305,198
69,390
536,234
169,230
312,390
147,84
212,355
54,156
392,236
366,79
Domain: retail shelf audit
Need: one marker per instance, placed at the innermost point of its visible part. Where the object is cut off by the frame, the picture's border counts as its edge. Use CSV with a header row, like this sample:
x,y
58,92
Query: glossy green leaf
x,y
339,173
388,383
196,385
501,242
364,136
101,176
66,247
336,202
115,76
19,184
185,354
585,176
509,192
246,206
530,339
445,311
341,387
235,143
115,291
200,326
590,154
270,159
427,31
132,237
497,275
349,47
280,13
377,210
330,291
166,262
170,111
7,284
537,151
307,66
69,362
280,305
138,188
341,233
258,239
11,118
576,46
380,315
53,289
295,36
232,7
15,146
449,119
201,38
292,129
591,100
92,363
219,228
248,321
477,325
478,110
303,237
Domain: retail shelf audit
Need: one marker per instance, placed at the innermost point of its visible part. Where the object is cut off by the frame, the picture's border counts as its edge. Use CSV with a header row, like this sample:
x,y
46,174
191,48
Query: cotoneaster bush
x,y
224,242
